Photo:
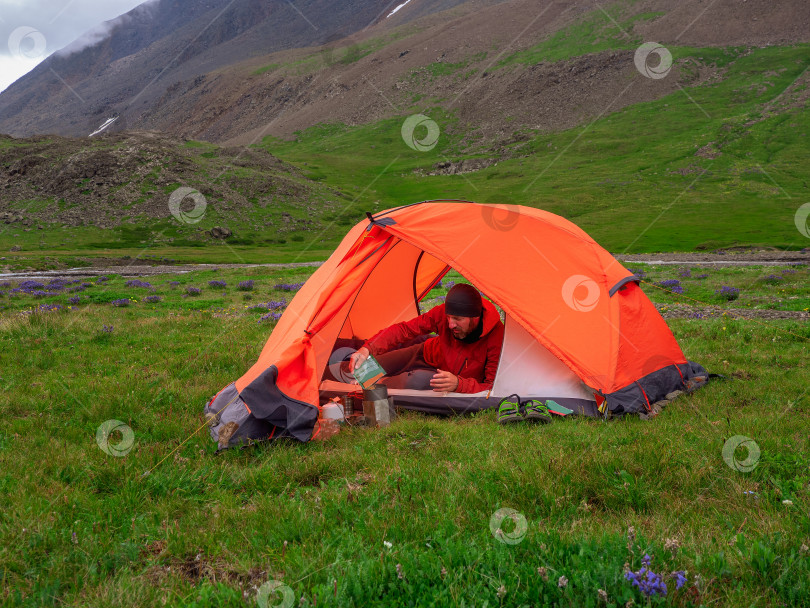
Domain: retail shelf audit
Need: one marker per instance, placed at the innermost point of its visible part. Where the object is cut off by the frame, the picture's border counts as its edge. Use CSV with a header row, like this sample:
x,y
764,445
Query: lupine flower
x,y
728,293
288,286
174,284
74,300
138,283
216,284
680,578
638,272
245,285
648,582
686,273
121,303
702,276
669,283
773,278
107,329
102,279
193,291
449,284
152,299
76,289
270,316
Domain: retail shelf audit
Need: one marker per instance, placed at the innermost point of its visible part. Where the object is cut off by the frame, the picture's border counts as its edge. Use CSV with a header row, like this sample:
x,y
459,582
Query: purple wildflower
x,y
174,284
449,284
121,303
107,329
680,578
152,299
669,283
102,279
686,273
75,288
270,316
702,276
193,291
217,284
647,581
138,283
638,272
288,286
245,285
773,278
30,285
728,293
74,300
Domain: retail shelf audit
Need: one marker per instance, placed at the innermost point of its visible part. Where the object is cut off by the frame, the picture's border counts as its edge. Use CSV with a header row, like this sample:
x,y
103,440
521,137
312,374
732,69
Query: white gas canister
x,y
332,410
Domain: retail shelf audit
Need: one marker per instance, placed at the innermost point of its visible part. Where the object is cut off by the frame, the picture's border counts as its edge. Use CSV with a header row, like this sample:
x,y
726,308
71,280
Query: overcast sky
x,y
30,30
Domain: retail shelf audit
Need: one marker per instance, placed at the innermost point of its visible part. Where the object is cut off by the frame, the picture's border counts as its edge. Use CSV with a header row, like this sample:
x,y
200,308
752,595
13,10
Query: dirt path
x,y
686,311
721,257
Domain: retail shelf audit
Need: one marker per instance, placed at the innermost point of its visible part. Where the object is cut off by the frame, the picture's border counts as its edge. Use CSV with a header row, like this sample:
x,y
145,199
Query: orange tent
x,y
579,329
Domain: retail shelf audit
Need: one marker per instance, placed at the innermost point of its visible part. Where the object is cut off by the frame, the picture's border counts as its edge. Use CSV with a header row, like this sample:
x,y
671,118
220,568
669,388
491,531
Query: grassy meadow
x,y
400,516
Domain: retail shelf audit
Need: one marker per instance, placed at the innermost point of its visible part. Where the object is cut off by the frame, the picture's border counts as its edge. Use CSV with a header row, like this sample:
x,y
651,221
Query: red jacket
x,y
475,364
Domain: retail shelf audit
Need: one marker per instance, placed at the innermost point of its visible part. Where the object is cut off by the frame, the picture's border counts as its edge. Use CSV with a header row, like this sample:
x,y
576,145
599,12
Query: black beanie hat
x,y
463,300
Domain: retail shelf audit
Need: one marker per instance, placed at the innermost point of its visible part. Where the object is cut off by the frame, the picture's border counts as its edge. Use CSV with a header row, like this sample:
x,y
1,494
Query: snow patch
x,y
103,127
397,8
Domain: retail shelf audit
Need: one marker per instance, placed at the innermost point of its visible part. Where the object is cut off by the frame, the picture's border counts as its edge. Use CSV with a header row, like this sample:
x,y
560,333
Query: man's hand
x,y
444,382
357,358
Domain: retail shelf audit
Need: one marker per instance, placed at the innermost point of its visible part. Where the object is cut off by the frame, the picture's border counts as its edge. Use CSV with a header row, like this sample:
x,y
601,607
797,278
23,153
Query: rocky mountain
x,y
236,70
165,45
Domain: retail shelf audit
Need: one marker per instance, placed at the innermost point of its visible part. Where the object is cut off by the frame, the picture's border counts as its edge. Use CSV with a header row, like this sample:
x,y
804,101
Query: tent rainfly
x,y
578,327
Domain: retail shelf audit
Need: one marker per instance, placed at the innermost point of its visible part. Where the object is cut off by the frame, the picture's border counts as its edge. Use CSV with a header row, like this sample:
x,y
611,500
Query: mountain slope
x,y
161,43
225,71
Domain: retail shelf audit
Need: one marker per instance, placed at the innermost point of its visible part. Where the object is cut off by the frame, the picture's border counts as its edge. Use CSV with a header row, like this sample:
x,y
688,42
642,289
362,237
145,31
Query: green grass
x,y
82,528
593,32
